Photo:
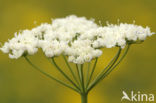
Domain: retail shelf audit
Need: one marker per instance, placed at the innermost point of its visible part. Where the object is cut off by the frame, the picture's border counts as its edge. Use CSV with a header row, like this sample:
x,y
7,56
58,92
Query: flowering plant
x,y
78,40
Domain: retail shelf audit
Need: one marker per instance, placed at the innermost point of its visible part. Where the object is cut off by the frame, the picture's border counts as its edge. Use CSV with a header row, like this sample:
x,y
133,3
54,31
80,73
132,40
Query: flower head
x,y
78,38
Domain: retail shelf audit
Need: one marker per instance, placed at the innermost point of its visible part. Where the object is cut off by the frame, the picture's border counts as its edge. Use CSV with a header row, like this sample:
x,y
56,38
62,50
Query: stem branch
x,y
123,56
48,75
93,69
82,78
69,67
99,77
59,69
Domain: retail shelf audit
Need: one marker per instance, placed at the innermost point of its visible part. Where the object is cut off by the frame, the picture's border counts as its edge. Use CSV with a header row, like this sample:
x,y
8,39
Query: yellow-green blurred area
x,y
20,83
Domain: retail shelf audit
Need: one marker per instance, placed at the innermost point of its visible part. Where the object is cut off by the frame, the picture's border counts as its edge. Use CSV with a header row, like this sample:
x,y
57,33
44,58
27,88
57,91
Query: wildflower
x,y
76,37
81,41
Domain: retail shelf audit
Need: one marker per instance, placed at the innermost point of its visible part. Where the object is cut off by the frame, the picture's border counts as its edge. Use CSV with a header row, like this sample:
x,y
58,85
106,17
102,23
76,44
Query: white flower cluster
x,y
78,38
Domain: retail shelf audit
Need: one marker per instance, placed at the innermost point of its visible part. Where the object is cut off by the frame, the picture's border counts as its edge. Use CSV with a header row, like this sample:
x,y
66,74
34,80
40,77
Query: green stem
x,y
87,73
79,76
123,56
49,76
69,67
78,73
91,75
84,98
88,69
99,77
60,70
82,78
111,63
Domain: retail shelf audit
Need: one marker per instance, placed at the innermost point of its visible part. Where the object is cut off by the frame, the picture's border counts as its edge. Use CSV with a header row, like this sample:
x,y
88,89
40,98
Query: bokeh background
x,y
20,83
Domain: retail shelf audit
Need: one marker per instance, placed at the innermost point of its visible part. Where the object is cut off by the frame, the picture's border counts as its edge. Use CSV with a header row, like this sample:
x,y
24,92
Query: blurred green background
x,y
20,83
